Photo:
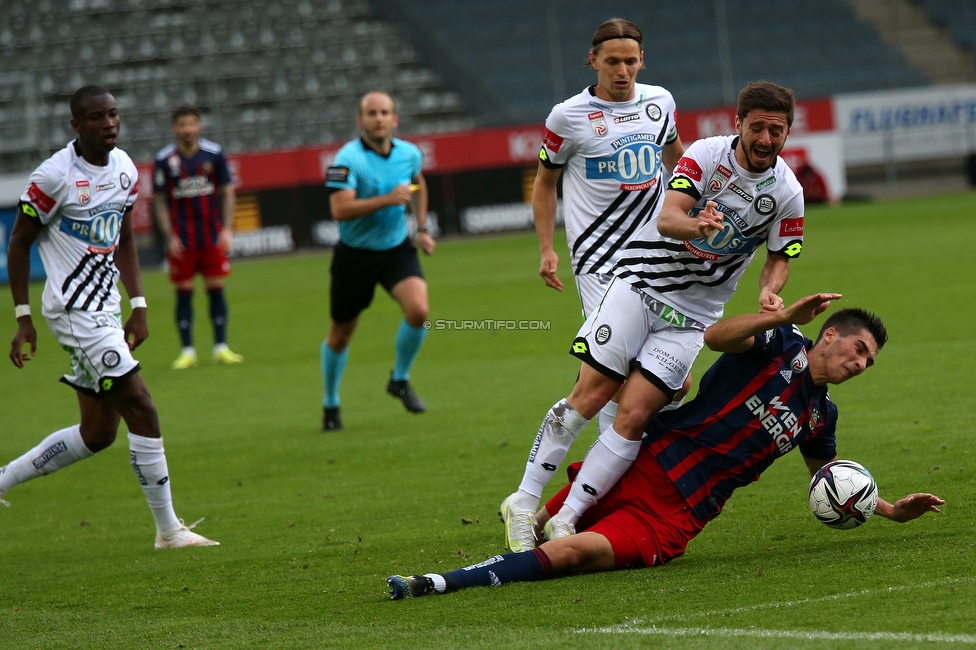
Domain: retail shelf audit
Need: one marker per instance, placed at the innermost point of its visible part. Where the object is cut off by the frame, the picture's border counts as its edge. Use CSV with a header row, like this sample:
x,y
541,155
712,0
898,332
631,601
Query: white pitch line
x,y
815,635
805,601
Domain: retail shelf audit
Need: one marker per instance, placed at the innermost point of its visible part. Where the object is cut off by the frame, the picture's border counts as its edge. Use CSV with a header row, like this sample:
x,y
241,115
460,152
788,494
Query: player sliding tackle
x,y
671,282
693,458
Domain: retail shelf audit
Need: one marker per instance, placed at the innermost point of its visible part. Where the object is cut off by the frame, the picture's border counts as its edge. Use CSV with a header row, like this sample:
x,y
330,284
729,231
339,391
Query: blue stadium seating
x,y
958,16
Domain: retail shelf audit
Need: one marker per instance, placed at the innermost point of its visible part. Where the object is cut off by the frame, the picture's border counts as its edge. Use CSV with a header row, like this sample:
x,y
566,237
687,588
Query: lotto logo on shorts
x,y
107,384
579,347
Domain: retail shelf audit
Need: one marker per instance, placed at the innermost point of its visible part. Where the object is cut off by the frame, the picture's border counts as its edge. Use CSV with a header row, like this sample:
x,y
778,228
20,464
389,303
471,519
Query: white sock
x,y
440,584
558,431
606,416
148,460
189,350
673,405
55,452
605,463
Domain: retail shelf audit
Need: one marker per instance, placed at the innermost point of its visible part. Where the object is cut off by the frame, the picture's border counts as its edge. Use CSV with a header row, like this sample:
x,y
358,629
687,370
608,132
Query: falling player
x,y
194,205
78,207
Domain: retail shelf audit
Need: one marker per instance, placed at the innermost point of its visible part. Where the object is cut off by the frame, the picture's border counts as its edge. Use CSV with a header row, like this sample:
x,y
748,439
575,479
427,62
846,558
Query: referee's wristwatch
x,y
424,228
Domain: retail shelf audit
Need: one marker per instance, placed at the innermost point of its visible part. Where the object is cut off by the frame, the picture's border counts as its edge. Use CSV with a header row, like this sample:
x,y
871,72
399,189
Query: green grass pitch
x,y
311,524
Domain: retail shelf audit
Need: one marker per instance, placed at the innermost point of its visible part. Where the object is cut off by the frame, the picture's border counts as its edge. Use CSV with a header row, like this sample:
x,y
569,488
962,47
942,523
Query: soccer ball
x,y
843,494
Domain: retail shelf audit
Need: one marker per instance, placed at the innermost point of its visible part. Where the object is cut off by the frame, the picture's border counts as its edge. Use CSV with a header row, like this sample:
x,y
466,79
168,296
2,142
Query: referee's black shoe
x,y
404,392
331,420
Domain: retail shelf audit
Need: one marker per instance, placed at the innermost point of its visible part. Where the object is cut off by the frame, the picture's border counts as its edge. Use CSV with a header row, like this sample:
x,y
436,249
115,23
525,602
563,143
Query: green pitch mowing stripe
x,y
311,524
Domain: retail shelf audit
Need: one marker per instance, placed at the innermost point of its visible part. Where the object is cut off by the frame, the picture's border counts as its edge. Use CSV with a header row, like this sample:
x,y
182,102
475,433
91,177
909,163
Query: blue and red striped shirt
x,y
191,186
751,408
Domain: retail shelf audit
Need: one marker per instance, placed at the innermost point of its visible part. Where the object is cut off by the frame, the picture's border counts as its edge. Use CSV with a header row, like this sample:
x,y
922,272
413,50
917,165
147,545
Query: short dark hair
x,y
185,109
615,28
850,320
766,96
82,94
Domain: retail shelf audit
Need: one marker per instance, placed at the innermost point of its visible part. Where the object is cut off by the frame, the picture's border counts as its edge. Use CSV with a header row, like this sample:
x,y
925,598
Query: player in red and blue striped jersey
x,y
194,202
764,397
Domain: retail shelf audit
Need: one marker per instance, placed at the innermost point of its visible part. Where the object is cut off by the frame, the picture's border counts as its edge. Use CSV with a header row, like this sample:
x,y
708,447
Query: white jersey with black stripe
x,y
613,177
81,207
698,277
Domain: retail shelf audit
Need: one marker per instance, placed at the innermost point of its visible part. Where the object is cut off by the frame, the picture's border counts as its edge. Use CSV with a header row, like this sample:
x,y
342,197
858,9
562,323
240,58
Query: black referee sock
x,y
184,316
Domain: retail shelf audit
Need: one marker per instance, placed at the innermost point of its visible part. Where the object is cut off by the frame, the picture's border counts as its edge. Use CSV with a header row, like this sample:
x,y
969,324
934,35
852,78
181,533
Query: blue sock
x,y
218,315
500,570
408,342
333,365
184,316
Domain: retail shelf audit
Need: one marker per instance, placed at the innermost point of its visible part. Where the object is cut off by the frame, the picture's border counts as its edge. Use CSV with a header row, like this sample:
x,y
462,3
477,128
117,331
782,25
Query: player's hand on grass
x,y
136,328
25,334
400,195
806,309
426,242
175,248
547,269
710,220
914,506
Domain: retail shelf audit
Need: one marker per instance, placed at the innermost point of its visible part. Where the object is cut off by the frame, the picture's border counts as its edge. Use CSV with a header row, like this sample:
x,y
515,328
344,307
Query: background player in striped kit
x,y
694,457
727,197
194,204
611,145
78,208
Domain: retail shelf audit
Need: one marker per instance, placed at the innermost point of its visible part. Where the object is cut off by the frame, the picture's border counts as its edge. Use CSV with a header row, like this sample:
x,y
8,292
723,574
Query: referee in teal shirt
x,y
372,181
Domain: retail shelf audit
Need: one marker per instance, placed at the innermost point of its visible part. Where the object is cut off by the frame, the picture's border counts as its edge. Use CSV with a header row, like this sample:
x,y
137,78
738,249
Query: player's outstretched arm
x,y
25,233
544,201
911,507
675,223
127,261
736,334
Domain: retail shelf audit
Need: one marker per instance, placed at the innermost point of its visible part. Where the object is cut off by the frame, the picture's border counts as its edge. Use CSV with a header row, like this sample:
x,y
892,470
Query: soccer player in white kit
x,y
78,207
728,196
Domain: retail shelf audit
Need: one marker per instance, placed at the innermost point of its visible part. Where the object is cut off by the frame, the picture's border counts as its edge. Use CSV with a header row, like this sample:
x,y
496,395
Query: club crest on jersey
x,y
602,334
125,181
111,358
207,167
814,417
598,123
799,363
84,191
653,112
765,204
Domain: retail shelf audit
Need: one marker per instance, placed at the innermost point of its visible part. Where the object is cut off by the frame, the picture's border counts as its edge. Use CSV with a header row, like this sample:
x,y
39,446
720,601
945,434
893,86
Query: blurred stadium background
x,y
887,90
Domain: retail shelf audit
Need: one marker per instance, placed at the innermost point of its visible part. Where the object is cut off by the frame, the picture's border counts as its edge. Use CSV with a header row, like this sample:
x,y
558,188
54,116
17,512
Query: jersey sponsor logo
x,y
653,112
777,419
39,198
724,171
635,160
673,316
192,187
603,334
765,204
48,454
638,187
727,241
620,119
337,175
551,140
105,186
124,181
689,168
679,183
598,123
791,227
766,183
793,250
799,362
111,358
606,109
100,233
741,192
84,191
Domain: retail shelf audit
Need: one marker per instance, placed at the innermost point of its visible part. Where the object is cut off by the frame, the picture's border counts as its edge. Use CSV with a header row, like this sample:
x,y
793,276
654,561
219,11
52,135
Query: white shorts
x,y
591,287
95,343
629,328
